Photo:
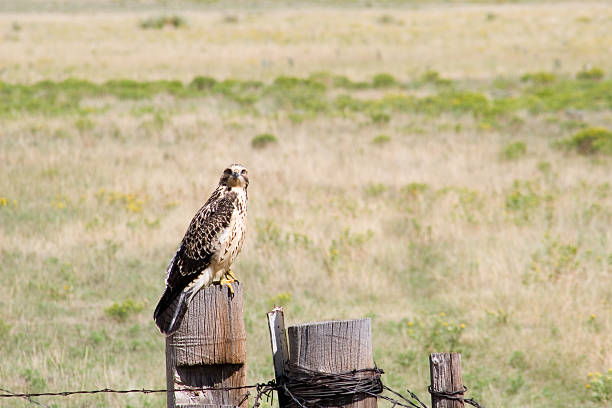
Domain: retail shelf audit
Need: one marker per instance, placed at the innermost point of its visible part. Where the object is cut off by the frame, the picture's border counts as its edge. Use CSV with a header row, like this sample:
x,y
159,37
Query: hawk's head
x,y
235,175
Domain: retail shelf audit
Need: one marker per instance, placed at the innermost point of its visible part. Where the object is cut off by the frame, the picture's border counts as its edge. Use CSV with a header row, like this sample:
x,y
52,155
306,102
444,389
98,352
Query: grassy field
x,y
442,168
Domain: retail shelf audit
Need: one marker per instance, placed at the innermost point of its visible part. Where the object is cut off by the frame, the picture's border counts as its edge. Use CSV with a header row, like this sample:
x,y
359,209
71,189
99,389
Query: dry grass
x,y
459,41
338,227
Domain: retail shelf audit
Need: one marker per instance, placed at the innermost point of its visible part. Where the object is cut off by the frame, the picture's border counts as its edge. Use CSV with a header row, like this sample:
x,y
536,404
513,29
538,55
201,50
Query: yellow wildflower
x,y
462,325
442,314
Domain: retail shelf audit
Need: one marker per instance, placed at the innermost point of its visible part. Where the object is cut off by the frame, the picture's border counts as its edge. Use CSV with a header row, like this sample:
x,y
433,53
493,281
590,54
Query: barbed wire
x,y
113,391
455,395
302,393
40,404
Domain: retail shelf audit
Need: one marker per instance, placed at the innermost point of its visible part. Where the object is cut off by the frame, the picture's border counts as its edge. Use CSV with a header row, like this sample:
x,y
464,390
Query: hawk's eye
x,y
227,171
243,172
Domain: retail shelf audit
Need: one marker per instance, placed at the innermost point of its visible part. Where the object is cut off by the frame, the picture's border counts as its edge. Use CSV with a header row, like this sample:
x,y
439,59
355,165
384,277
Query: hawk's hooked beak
x,y
235,175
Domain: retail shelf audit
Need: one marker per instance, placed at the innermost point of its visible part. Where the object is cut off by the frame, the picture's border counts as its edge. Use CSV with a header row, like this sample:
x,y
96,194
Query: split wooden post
x,y
445,372
280,352
334,347
208,350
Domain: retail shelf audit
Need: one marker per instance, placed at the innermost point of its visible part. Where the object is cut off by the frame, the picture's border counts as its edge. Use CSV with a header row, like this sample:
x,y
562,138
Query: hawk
x,y
208,249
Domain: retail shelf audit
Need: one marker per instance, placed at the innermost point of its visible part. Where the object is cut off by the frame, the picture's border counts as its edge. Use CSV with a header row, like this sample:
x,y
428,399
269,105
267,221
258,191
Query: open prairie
x,y
443,168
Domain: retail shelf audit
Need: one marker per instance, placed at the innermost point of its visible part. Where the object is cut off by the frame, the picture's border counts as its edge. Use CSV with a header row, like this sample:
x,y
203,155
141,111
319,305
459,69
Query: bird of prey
x,y
208,249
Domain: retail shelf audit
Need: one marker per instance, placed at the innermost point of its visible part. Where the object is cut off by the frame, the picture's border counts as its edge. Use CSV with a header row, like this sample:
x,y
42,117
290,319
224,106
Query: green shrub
x,y
282,299
433,77
590,141
523,200
518,360
539,78
341,81
374,189
516,383
414,189
600,386
298,93
35,381
514,150
593,74
263,139
383,81
381,139
202,83
121,311
380,117
162,21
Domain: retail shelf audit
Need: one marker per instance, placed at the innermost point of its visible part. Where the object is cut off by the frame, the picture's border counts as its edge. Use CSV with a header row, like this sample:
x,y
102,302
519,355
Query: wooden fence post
x,y
208,350
280,353
334,347
445,372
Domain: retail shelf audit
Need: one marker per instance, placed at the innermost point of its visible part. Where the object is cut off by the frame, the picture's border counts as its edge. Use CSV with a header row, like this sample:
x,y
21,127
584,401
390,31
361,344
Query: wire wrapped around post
x,y
308,388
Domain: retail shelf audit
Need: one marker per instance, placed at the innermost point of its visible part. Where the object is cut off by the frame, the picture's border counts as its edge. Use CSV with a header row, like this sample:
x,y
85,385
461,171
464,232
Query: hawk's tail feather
x,y
170,311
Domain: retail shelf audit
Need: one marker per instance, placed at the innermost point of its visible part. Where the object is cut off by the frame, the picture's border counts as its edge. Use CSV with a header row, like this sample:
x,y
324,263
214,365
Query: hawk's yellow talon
x,y
228,283
231,275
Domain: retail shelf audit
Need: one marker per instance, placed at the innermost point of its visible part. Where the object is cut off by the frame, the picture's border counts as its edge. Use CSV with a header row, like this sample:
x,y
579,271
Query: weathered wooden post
x,y
280,352
334,347
208,350
446,381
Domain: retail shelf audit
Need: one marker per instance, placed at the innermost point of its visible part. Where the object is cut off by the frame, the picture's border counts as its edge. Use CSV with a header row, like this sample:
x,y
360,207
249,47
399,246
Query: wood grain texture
x,y
280,351
445,372
208,350
334,347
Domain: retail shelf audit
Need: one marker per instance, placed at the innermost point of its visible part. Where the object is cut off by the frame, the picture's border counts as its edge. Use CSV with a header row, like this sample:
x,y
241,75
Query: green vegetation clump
x,y
383,81
202,83
163,21
433,77
523,200
381,139
590,141
592,74
262,140
121,311
310,96
380,117
282,299
34,380
539,78
341,81
307,95
600,387
514,150
414,189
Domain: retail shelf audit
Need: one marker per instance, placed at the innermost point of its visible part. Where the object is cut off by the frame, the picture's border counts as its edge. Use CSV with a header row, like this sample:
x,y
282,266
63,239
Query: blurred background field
x,y
441,167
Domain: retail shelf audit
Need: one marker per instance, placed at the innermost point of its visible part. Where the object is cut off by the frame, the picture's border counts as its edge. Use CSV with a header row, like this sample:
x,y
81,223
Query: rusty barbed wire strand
x,y
113,391
305,389
455,395
29,399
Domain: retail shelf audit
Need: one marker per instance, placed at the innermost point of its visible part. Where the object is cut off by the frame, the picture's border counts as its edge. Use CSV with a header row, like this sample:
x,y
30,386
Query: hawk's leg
x,y
231,275
228,282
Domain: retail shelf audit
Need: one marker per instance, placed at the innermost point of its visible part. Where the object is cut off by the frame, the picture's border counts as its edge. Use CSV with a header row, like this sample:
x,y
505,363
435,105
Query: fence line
x,y
263,390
